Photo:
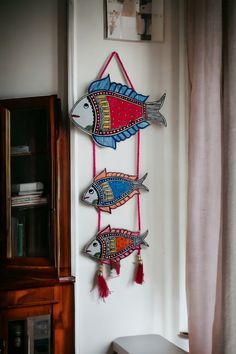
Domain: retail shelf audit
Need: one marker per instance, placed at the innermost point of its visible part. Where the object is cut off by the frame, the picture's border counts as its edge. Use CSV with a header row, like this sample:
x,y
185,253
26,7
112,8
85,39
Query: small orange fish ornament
x,y
110,246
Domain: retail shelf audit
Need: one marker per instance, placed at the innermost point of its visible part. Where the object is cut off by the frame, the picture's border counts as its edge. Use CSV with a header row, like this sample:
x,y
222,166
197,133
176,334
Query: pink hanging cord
x,y
115,54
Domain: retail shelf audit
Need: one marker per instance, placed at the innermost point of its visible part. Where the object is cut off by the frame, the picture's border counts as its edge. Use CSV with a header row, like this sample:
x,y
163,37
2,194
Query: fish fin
x,y
143,236
126,232
101,175
120,174
98,85
120,137
114,206
133,193
106,209
142,125
139,183
159,103
127,91
107,85
108,141
105,230
153,111
130,131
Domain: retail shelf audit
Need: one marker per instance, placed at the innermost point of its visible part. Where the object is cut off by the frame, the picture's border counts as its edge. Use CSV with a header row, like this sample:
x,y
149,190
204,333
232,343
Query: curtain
x,y
229,181
211,236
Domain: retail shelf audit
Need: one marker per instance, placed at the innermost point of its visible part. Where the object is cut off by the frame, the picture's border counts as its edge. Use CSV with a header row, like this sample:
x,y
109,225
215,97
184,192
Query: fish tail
x,y
153,111
139,183
143,236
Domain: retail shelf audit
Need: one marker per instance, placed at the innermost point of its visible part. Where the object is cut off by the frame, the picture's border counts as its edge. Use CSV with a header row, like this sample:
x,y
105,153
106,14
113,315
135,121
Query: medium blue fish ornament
x,y
110,190
113,112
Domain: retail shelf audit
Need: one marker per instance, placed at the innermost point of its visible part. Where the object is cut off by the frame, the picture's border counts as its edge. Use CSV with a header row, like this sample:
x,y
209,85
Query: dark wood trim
x,y
40,286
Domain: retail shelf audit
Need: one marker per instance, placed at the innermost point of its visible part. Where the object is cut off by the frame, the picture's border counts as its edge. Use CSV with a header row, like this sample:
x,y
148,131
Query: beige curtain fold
x,y
229,181
211,236
204,198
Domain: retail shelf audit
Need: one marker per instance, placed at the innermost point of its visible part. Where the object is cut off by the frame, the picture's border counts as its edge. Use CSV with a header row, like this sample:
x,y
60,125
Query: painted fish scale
x,y
120,107
125,244
115,187
124,112
122,243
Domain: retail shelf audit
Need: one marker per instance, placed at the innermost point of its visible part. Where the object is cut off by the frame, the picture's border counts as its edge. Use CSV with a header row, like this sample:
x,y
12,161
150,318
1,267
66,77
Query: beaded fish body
x,y
112,112
112,245
112,189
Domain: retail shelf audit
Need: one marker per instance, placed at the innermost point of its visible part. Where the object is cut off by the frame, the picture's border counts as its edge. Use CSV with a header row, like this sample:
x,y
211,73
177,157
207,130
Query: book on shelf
x,y
20,149
28,194
39,192
26,187
17,198
21,201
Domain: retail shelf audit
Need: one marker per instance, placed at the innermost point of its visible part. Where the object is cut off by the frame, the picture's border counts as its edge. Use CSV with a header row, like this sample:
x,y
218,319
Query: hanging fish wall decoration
x,y
110,190
112,112
110,246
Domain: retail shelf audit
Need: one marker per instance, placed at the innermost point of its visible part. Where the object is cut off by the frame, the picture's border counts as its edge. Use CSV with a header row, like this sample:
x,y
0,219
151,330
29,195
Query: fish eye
x,y
95,244
86,105
91,191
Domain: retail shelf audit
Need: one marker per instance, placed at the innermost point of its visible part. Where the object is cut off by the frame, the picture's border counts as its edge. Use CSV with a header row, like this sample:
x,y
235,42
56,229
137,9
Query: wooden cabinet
x,y
36,288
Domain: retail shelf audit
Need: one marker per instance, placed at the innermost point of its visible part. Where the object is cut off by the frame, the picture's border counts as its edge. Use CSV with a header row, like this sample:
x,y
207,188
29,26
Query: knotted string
x,y
115,54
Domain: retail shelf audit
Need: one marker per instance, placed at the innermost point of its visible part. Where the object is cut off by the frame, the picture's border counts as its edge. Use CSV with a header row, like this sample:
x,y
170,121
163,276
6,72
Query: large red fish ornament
x,y
112,112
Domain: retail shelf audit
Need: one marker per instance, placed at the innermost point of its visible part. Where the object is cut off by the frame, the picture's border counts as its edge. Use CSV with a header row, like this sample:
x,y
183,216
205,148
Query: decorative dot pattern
x,y
125,112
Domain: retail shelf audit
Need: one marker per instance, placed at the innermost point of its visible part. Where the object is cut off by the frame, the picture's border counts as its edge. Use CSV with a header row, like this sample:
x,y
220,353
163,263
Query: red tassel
x,y
102,284
116,266
139,277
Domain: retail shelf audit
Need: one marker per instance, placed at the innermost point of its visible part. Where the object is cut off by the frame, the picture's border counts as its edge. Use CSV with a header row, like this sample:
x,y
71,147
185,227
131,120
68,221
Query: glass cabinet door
x,y
28,184
30,336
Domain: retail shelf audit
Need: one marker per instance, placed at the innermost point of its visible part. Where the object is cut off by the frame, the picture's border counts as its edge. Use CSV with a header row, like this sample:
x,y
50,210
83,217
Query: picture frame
x,y
134,20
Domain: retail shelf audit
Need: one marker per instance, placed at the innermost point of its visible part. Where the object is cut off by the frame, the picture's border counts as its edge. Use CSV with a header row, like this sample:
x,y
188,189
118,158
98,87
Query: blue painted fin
x,y
99,85
131,131
143,125
106,84
110,141
106,141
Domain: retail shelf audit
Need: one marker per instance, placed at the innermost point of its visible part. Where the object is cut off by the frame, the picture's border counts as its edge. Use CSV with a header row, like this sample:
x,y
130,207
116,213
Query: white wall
x,y
29,48
154,68
31,64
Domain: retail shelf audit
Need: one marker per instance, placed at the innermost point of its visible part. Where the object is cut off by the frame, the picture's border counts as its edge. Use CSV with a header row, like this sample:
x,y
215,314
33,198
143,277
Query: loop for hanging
x,y
115,54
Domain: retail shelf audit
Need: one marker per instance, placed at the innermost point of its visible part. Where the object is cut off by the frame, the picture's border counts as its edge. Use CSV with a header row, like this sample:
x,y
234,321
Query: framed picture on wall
x,y
134,20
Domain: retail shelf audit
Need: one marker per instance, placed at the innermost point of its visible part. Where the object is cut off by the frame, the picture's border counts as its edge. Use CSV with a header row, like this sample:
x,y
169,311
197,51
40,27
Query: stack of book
x,y
28,194
20,149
